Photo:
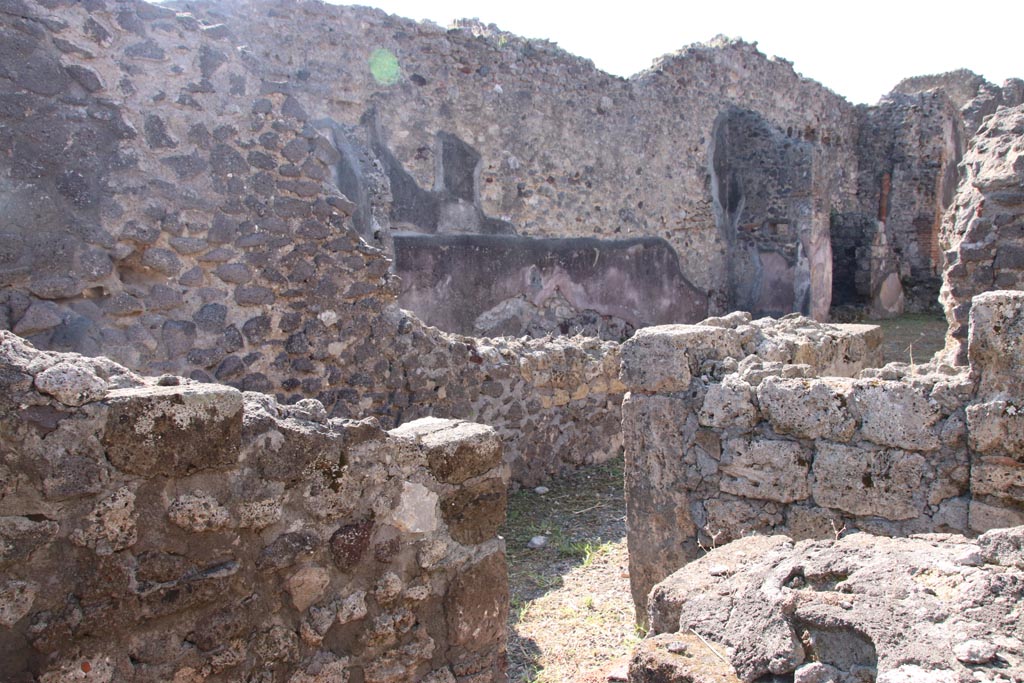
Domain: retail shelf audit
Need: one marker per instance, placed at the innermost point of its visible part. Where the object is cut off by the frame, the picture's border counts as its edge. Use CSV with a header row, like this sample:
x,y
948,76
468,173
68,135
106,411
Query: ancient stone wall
x,y
163,529
509,285
170,215
983,236
723,441
557,148
554,401
182,215
974,96
763,200
204,199
565,150
167,151
909,149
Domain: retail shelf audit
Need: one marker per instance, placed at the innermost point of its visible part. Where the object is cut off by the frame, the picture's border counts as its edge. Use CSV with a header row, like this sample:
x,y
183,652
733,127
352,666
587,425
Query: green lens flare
x,y
384,66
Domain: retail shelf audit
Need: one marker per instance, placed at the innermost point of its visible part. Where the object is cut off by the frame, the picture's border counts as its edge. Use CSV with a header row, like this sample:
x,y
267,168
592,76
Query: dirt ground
x,y
572,615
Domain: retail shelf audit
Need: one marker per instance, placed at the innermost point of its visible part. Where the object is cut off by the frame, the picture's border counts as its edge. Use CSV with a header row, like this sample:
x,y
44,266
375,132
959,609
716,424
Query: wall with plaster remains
x,y
722,441
216,199
169,209
559,148
162,529
910,146
510,285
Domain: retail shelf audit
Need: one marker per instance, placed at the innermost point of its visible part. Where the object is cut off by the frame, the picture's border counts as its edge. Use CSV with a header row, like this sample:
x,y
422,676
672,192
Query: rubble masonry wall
x,y
163,529
167,209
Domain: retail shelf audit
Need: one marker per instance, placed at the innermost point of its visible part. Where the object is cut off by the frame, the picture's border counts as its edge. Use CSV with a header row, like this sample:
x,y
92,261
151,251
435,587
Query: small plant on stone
x,y
713,535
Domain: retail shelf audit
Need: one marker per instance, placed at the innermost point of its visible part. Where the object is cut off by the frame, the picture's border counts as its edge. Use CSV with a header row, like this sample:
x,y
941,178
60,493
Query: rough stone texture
x,y
173,430
718,448
983,237
555,402
760,167
184,202
456,452
996,343
177,531
678,344
605,169
205,225
973,95
679,658
932,607
909,147
168,165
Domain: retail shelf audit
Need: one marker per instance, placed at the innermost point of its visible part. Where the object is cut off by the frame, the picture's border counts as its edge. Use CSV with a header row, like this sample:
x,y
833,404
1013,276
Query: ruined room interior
x,y
294,297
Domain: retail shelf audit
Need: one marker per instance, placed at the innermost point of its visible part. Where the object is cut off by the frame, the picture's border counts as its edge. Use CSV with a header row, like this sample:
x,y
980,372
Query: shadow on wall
x,y
454,203
466,272
498,285
778,256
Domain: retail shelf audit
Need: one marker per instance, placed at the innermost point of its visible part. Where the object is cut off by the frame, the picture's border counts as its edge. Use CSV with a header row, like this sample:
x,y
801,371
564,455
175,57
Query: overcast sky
x,y
860,48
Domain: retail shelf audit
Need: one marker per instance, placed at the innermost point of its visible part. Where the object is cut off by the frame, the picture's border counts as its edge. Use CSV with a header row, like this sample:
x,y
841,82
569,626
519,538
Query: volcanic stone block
x,y
456,451
678,657
662,358
287,549
71,384
983,517
474,513
477,604
349,543
858,604
998,476
21,536
878,482
997,428
297,449
895,414
996,343
111,524
173,431
1004,547
808,409
765,469
40,316
729,404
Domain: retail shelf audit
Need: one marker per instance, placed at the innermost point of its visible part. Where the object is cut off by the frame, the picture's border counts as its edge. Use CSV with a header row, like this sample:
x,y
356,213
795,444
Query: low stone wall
x,y
163,529
717,449
555,402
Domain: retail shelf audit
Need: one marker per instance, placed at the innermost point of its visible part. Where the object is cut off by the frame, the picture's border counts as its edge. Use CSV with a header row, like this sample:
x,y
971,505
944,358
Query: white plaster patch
x,y
416,512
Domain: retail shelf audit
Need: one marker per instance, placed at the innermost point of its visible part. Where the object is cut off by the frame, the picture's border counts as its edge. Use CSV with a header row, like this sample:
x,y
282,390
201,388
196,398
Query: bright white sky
x,y
858,48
